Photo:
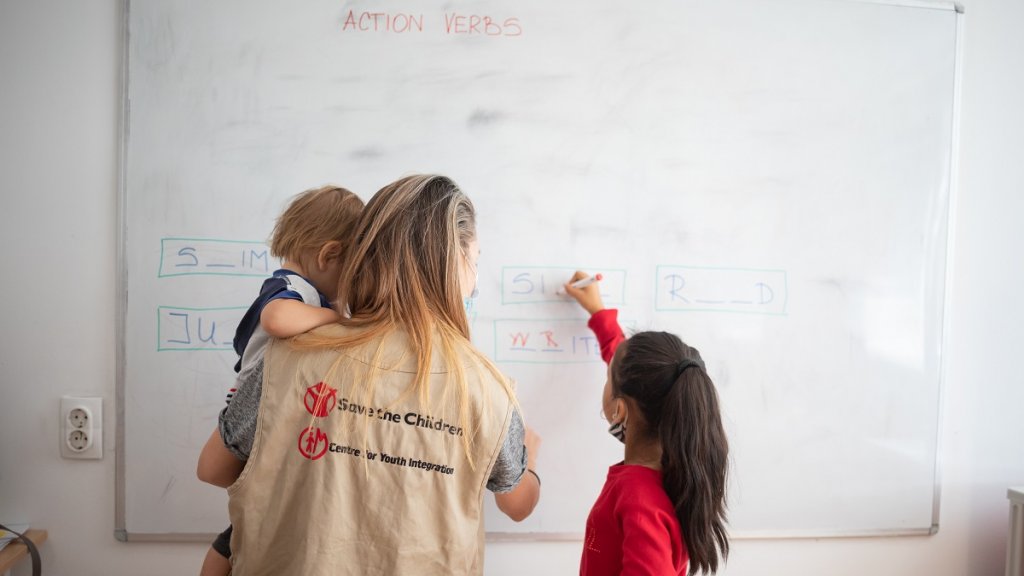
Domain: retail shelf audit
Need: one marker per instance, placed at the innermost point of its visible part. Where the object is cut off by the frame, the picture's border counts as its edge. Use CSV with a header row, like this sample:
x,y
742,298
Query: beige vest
x,y
349,476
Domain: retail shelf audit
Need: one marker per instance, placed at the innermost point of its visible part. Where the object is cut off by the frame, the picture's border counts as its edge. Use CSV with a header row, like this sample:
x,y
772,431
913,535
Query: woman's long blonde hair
x,y
401,272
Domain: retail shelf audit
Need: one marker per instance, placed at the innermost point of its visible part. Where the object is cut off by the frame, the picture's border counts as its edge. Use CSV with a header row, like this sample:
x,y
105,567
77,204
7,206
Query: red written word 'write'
x,y
454,23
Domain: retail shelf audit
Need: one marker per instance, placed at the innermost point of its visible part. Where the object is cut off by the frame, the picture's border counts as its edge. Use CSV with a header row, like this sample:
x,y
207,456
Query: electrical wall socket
x,y
81,428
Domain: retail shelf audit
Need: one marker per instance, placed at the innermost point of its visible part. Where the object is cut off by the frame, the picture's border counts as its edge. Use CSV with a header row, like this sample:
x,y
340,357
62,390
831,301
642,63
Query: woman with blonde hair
x,y
375,437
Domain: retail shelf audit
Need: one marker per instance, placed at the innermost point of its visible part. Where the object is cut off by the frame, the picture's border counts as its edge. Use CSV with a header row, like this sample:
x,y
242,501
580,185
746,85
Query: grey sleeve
x,y
237,422
511,463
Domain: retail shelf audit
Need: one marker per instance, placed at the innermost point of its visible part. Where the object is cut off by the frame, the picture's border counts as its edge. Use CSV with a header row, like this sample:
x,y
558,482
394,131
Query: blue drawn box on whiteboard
x,y
706,289
539,284
545,341
214,257
182,329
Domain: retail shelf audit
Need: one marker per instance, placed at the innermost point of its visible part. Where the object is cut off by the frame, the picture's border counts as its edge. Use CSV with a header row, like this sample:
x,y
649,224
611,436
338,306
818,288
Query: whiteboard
x,y
768,179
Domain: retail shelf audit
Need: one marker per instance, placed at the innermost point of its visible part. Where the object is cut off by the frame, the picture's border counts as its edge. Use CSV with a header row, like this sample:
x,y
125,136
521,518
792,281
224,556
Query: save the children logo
x,y
320,400
313,443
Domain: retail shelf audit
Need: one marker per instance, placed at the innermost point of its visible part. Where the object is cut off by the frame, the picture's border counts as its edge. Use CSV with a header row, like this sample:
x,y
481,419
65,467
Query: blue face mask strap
x,y
476,282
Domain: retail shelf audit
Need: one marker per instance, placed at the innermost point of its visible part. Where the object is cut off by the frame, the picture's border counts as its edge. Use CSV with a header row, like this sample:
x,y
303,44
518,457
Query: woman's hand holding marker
x,y
584,289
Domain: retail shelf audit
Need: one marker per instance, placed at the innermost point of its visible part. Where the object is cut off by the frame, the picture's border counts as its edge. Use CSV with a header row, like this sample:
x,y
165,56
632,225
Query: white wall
x,y
59,86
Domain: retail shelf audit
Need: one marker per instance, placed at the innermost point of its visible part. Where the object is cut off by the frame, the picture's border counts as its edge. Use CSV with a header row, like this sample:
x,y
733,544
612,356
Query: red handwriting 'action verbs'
x,y
455,23
382,22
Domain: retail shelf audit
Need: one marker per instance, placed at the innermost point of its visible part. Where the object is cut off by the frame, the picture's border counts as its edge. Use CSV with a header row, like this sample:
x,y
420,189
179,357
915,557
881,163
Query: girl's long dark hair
x,y
668,381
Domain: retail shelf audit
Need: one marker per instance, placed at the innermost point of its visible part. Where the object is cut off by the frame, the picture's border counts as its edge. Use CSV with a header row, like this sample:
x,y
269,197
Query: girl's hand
x,y
589,296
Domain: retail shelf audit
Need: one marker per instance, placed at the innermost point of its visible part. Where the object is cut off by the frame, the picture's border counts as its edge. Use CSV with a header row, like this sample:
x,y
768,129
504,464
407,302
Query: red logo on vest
x,y
313,443
320,400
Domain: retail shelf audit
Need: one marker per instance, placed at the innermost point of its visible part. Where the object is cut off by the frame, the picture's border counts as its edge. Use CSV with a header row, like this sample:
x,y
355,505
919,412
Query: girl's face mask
x,y
619,431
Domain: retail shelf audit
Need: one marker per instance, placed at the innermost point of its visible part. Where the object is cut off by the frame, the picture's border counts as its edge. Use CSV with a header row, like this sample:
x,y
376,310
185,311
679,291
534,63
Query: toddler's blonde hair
x,y
314,218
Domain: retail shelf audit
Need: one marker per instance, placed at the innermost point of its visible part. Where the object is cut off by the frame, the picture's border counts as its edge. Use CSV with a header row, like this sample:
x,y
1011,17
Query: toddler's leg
x,y
217,561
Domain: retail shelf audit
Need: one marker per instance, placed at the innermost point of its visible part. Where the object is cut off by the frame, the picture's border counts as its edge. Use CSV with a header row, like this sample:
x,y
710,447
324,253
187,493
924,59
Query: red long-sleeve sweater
x,y
632,528
605,324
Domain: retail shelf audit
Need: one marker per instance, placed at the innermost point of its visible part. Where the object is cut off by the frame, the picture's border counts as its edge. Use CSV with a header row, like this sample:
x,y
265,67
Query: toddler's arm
x,y
284,317
228,448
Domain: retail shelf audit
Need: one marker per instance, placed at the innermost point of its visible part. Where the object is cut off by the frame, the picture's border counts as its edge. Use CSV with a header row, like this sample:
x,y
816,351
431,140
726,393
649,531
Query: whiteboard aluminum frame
x,y
947,308
121,532
121,267
743,535
926,4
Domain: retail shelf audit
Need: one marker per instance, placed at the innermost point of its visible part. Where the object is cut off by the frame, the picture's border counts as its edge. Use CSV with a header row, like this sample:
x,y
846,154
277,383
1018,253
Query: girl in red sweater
x,y
663,508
